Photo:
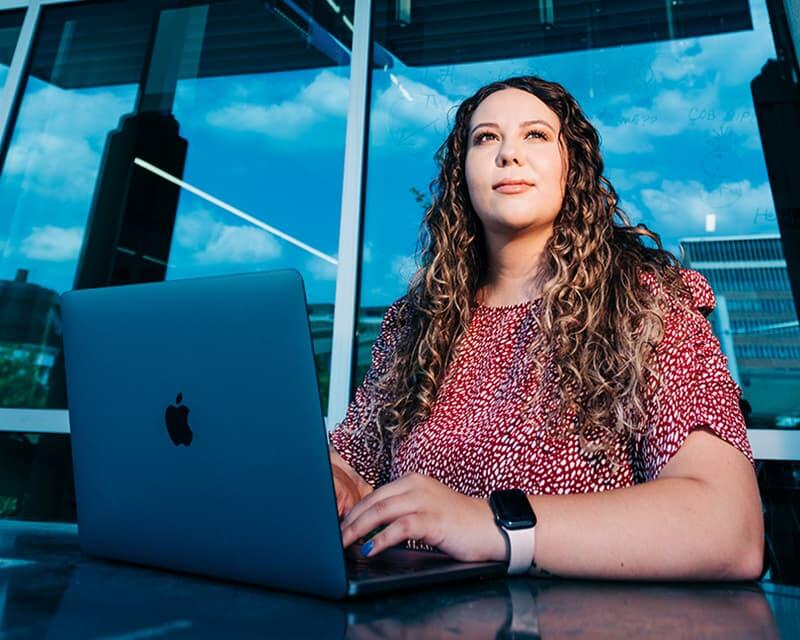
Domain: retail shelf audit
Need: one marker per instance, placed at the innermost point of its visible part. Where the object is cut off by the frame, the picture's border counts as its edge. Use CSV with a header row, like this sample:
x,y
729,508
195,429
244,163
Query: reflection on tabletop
x,y
528,608
47,587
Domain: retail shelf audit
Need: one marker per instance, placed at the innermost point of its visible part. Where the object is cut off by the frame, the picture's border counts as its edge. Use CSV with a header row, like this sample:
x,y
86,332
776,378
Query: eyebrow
x,y
524,124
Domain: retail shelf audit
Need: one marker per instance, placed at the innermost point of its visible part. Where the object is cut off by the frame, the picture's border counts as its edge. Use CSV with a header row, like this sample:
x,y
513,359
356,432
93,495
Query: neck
x,y
514,273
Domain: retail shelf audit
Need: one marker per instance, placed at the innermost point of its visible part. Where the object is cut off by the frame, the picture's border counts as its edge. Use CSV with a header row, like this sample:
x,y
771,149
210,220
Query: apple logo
x,y
177,422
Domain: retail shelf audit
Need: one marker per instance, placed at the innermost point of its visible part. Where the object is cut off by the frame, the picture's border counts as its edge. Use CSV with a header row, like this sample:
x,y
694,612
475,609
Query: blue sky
x,y
680,141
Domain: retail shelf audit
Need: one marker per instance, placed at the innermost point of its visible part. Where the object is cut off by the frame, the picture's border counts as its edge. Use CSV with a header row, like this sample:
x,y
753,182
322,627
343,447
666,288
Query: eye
x,y
541,134
479,138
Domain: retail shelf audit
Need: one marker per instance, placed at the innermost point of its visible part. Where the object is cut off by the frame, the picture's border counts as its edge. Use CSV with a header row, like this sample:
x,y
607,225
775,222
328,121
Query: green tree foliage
x,y
20,386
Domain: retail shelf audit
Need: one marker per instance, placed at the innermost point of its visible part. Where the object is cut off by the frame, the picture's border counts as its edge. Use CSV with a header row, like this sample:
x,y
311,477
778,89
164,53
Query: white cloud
x,y
282,121
724,56
690,79
680,207
406,113
410,114
53,165
404,267
53,244
320,269
669,113
326,96
194,229
672,112
328,93
78,114
215,242
368,252
237,244
59,138
632,210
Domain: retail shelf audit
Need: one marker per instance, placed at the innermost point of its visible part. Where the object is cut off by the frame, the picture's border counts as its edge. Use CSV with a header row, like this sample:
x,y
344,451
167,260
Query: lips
x,y
513,187
512,183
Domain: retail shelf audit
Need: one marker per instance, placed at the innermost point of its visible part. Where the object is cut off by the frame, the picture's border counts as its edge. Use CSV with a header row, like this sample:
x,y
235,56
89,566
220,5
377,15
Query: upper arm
x,y
695,388
698,430
727,474
354,440
706,457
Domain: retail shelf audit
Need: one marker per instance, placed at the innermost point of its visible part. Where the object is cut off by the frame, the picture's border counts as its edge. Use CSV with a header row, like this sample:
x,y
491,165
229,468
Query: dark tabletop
x,y
49,589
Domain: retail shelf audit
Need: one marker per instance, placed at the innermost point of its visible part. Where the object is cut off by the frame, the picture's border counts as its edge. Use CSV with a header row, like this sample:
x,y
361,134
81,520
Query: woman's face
x,y
514,136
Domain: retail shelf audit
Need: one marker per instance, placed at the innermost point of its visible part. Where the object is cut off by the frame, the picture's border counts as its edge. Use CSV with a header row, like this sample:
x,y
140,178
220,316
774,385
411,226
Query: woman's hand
x,y
417,507
349,489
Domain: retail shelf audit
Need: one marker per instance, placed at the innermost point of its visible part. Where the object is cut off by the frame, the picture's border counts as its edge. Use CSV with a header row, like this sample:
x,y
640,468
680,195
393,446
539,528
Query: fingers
x,y
347,493
408,527
401,485
380,512
344,502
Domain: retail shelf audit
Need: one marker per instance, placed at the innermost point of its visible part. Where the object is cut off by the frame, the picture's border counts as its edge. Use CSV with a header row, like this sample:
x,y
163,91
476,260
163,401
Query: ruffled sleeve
x,y
696,390
353,440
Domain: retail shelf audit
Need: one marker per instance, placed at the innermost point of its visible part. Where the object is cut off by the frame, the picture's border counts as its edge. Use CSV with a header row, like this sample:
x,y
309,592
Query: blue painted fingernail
x,y
366,548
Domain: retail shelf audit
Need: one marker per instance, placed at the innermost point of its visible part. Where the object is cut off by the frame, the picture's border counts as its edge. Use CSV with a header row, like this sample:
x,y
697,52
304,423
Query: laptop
x,y
198,439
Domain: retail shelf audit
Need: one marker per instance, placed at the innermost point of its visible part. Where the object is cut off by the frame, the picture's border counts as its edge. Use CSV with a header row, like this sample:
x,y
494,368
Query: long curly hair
x,y
599,323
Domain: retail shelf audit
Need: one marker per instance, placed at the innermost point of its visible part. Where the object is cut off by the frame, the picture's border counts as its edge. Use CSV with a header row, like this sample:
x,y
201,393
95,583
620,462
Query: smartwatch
x,y
514,516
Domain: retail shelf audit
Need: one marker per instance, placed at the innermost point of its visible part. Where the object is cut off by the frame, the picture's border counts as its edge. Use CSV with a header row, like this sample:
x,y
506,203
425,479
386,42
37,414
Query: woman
x,y
546,348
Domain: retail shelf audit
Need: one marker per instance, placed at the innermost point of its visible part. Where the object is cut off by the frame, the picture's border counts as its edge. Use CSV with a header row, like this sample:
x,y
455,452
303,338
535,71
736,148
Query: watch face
x,y
512,509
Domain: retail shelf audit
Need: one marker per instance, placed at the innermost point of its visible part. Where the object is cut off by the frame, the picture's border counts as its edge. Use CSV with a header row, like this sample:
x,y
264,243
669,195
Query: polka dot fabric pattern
x,y
477,440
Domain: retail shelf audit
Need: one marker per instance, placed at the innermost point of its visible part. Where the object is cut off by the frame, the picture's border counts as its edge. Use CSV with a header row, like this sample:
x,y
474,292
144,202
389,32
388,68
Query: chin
x,y
517,221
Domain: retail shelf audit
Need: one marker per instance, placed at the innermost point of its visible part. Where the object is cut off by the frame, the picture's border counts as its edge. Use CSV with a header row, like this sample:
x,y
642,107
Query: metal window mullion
x,y
34,420
24,420
792,9
775,444
345,311
15,78
8,5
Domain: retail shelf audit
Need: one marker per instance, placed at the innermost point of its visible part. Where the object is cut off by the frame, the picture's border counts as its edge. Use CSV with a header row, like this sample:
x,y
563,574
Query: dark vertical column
x,y
130,225
132,217
776,96
777,103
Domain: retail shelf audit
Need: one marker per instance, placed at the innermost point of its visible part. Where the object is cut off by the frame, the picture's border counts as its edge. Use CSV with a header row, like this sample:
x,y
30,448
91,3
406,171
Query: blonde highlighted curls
x,y
599,324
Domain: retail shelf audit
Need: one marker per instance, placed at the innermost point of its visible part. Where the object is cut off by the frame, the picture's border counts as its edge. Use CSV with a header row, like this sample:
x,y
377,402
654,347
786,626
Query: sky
x,y
679,140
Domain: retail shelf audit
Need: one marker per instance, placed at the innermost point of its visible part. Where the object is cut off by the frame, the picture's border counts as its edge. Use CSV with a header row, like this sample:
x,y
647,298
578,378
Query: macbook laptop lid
x,y
197,434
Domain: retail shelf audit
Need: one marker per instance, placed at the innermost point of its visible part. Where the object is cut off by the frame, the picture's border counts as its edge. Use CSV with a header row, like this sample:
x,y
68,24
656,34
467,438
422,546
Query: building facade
x,y
756,321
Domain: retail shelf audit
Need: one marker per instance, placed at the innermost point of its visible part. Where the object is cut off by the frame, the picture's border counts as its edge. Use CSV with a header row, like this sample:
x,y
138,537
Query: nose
x,y
508,154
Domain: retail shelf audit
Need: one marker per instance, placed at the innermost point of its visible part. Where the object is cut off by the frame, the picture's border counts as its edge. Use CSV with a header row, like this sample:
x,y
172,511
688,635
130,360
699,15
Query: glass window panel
x,y
244,100
668,86
10,25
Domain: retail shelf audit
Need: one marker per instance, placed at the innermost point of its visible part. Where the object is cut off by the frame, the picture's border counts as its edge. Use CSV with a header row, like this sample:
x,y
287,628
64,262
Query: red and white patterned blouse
x,y
476,440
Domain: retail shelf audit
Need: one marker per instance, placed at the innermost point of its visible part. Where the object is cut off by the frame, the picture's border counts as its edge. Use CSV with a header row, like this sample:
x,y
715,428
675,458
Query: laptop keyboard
x,y
365,572
399,564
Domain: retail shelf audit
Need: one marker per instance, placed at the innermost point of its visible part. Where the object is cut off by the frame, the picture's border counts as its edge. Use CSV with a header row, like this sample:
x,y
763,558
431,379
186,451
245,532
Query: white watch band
x,y
524,613
521,544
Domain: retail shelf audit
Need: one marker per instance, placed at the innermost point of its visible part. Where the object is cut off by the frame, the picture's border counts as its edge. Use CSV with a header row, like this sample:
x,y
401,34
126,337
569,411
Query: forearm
x,y
665,529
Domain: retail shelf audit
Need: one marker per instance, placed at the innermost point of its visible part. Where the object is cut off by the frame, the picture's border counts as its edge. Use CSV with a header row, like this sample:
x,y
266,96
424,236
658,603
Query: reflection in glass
x,y
680,139
10,25
129,111
756,321
142,127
